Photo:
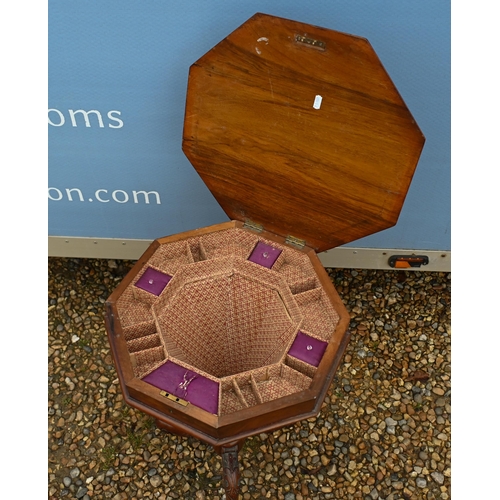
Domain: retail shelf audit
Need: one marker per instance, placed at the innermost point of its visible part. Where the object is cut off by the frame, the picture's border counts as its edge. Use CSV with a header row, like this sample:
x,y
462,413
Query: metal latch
x,y
173,398
296,242
317,44
408,261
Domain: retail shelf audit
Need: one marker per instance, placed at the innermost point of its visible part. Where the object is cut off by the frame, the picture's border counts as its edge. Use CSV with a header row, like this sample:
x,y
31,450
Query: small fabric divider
x,y
169,258
319,316
132,311
143,343
139,330
234,243
187,385
143,362
260,386
301,366
197,250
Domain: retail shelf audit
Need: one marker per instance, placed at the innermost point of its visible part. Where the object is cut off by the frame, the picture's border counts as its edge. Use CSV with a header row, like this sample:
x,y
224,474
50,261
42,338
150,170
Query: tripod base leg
x,y
231,470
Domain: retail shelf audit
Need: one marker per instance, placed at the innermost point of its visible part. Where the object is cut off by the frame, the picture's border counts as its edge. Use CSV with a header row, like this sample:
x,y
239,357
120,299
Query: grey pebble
x,y
81,492
66,481
421,482
312,487
155,481
74,473
438,477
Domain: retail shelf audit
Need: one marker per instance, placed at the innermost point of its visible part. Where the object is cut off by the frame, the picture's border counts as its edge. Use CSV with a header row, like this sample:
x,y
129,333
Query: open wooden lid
x,y
300,129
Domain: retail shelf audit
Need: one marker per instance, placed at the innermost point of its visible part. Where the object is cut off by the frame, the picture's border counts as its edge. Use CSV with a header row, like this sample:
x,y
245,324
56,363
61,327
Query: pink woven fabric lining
x,y
229,319
229,243
168,258
243,325
143,343
295,267
134,304
132,311
301,366
139,330
319,315
146,361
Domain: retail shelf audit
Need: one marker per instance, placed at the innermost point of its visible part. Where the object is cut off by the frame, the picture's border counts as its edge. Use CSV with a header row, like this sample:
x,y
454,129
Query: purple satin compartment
x,y
264,254
308,349
153,281
186,384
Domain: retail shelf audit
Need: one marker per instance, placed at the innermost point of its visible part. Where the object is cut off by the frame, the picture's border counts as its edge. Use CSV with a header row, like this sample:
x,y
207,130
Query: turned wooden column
x,y
231,468
230,463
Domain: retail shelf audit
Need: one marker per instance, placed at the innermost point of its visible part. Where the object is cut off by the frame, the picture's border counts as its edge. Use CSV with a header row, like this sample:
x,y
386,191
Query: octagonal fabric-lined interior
x,y
242,324
227,318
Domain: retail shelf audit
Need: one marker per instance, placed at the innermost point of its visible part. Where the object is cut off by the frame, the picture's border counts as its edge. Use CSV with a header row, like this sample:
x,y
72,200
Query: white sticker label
x,y
317,102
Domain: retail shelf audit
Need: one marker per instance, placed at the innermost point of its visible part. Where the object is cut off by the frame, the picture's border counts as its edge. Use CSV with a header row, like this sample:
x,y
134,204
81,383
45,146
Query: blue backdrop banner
x,y
117,85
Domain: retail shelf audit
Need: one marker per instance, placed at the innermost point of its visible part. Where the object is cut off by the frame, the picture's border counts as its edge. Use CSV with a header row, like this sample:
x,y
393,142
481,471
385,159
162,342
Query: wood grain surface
x,y
329,174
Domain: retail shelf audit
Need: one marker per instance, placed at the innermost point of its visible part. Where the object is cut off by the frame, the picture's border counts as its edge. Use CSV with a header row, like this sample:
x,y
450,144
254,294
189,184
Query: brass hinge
x,y
296,242
253,226
173,398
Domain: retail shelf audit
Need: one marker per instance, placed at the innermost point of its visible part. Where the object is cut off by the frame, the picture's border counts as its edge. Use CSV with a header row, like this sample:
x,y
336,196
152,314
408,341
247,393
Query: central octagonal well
x,y
246,321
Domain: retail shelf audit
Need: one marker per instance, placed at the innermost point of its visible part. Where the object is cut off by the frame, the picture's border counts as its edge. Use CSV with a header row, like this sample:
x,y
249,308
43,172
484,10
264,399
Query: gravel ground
x,y
383,431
